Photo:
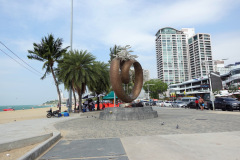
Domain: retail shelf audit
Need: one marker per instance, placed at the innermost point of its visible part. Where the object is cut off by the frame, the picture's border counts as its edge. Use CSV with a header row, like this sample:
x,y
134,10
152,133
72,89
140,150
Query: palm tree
x,y
114,51
66,84
49,51
78,68
103,80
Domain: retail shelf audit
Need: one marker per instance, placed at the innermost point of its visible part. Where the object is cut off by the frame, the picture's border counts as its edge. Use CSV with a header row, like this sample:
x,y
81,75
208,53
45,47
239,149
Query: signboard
x,y
216,81
205,86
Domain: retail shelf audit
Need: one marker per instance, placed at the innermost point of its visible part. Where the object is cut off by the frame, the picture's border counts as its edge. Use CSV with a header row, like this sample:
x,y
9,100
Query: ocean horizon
x,y
23,107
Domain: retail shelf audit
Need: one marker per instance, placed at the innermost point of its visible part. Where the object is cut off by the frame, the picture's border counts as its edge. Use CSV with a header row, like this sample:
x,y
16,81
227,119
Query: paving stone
x,y
93,149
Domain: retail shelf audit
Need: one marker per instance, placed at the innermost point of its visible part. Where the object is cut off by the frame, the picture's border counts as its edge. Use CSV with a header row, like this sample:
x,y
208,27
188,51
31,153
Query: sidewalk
x,y
23,133
208,146
202,135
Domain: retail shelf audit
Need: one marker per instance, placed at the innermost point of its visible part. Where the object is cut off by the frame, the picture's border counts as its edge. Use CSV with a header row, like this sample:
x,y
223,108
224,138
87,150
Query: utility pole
x,y
148,90
211,92
70,89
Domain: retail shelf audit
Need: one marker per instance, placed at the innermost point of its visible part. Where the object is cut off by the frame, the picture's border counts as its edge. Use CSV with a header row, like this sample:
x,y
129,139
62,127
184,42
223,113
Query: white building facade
x,y
200,55
172,55
146,75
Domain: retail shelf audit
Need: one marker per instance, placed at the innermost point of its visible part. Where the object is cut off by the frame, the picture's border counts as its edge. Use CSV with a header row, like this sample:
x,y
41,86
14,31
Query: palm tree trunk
x,y
75,100
98,108
56,83
80,101
74,95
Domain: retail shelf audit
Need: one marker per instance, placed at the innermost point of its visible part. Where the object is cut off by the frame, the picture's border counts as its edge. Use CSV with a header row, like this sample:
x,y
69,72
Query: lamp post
x,y
70,89
208,73
148,90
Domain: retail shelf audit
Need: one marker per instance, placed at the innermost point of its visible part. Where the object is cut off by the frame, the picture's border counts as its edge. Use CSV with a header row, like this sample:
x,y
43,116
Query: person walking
x,y
201,103
196,103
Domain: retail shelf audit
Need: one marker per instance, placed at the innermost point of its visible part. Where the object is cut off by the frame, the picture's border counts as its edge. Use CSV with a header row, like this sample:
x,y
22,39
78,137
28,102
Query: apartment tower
x,y
200,54
172,55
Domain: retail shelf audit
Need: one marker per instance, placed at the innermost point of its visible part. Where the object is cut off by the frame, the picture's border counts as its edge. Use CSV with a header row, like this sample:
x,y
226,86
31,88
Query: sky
x,y
97,26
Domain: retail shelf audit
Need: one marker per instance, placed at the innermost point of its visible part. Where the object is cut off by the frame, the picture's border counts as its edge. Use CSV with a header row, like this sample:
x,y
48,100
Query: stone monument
x,y
119,74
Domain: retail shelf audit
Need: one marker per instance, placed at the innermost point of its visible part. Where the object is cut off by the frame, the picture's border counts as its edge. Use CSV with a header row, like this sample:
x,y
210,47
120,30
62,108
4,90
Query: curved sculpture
x,y
119,73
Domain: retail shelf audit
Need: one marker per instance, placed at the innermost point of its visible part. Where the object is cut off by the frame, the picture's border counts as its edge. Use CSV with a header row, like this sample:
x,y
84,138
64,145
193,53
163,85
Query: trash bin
x,y
65,114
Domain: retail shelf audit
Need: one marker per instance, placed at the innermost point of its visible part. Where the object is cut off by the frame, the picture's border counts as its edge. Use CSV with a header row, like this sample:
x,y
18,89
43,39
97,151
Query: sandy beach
x,y
20,115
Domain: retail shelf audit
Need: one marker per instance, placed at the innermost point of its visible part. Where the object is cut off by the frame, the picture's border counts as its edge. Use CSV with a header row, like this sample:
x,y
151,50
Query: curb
x,y
37,151
24,142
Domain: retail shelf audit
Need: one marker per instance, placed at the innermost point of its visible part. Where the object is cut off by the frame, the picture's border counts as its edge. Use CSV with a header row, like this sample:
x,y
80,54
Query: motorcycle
x,y
51,113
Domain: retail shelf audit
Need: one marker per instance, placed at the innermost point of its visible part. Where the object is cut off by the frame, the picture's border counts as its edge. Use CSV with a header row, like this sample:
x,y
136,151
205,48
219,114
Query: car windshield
x,y
229,99
185,100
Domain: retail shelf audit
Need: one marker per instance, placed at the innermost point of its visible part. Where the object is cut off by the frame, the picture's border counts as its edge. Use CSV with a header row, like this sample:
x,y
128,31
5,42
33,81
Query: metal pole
x,y
211,93
114,99
148,93
148,90
70,89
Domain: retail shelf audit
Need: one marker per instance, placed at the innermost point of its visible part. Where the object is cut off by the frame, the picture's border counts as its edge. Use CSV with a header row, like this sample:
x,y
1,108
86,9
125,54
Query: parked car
x,y
179,104
187,100
153,103
225,103
145,103
159,103
167,104
193,105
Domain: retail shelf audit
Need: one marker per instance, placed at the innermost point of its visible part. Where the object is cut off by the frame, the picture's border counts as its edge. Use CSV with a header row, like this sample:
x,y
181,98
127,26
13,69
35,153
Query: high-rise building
x,y
188,31
146,75
172,55
200,54
218,66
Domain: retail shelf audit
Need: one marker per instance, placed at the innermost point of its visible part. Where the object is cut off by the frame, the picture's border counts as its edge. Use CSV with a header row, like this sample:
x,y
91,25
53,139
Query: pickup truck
x,y
224,104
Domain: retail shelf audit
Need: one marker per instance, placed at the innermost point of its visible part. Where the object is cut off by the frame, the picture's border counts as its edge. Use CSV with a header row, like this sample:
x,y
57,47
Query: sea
x,y
23,107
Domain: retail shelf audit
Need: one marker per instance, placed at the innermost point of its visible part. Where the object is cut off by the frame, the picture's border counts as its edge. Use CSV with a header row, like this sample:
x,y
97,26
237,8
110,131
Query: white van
x,y
189,99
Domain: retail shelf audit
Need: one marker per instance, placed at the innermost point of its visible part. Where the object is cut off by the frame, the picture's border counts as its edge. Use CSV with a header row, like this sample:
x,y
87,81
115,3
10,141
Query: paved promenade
x,y
189,121
199,135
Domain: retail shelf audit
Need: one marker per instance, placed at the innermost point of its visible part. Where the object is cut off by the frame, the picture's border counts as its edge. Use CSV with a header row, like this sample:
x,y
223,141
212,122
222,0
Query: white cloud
x,y
98,25
122,22
40,10
226,46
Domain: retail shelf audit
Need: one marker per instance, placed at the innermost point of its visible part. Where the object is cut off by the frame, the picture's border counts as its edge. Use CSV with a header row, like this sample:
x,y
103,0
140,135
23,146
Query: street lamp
x,y
208,73
70,89
148,89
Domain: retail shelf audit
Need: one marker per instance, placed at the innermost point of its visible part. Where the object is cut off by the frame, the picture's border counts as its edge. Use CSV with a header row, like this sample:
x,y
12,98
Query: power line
x,y
20,58
18,62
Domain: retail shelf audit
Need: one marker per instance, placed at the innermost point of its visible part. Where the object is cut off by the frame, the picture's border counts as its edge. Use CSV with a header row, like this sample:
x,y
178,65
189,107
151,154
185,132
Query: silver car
x,y
167,104
179,104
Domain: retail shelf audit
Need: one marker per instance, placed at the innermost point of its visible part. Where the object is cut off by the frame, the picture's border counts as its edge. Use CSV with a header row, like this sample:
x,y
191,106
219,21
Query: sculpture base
x,y
126,114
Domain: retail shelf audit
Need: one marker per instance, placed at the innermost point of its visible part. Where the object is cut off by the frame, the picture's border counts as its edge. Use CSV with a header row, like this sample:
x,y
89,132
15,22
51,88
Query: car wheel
x,y
230,108
210,107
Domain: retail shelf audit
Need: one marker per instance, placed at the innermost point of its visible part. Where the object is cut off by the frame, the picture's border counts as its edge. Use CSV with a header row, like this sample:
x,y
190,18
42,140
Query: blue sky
x,y
97,26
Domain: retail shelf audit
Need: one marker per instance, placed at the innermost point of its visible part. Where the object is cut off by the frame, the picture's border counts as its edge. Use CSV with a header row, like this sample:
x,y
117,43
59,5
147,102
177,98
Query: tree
x,y
49,51
78,67
67,84
157,87
103,80
114,51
